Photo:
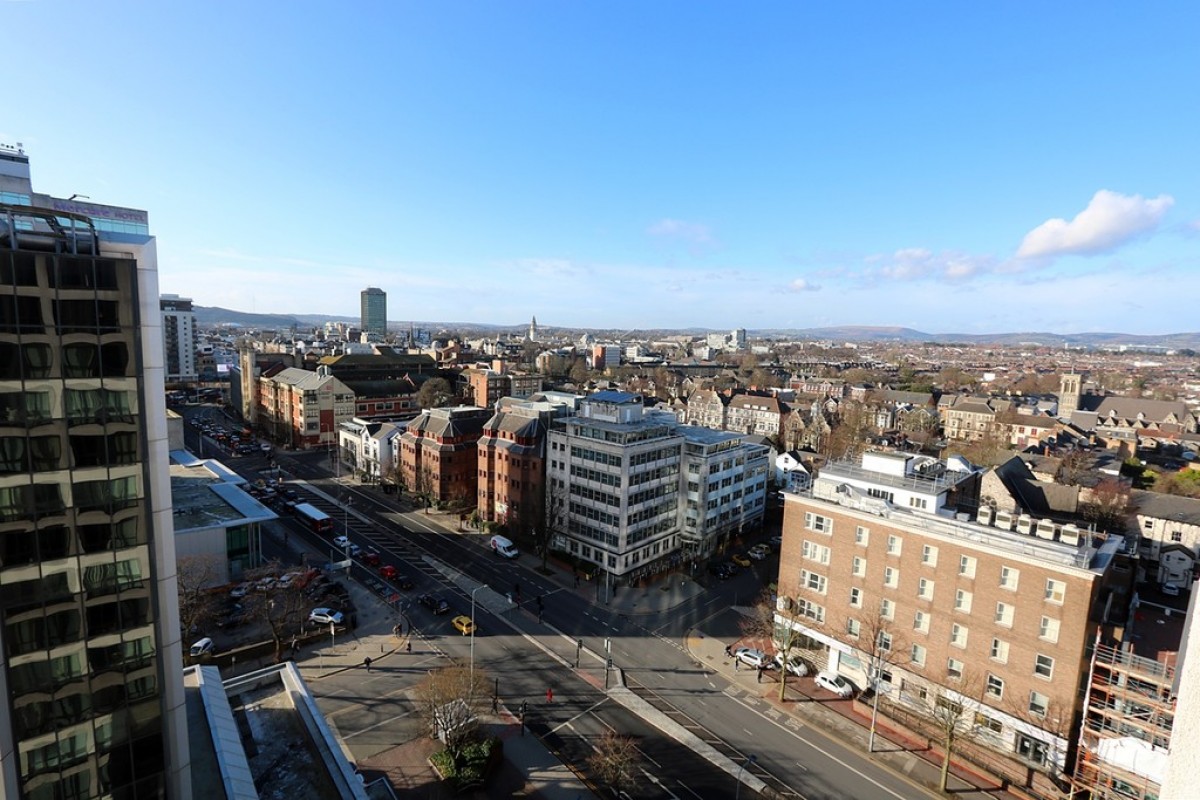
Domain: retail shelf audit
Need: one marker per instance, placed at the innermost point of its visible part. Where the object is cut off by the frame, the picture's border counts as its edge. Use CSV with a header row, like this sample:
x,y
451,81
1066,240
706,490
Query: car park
x,y
832,682
463,624
754,657
741,559
203,647
795,665
325,616
434,603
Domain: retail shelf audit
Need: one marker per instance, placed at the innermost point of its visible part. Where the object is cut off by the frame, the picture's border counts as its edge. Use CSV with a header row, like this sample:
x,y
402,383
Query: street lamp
x,y
473,591
750,759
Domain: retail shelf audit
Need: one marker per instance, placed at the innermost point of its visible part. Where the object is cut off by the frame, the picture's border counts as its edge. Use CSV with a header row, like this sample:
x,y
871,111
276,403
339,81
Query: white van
x,y
502,546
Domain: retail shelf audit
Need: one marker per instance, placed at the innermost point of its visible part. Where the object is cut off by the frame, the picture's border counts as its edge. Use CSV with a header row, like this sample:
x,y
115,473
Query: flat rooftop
x,y
205,494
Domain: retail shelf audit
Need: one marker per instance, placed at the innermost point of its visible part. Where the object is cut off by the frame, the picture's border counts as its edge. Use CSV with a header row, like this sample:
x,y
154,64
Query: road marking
x,y
648,758
377,724
747,730
658,783
587,710
685,786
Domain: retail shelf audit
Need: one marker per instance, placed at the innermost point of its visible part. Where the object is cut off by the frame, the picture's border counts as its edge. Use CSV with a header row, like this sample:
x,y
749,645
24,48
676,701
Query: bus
x,y
313,517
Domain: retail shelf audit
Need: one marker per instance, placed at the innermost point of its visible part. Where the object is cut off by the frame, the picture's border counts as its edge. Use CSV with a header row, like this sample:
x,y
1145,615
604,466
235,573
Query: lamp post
x,y
874,703
473,591
750,759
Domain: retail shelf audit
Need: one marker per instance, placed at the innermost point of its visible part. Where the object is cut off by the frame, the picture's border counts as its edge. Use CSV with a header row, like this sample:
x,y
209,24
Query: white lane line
x,y
587,710
377,724
685,786
648,758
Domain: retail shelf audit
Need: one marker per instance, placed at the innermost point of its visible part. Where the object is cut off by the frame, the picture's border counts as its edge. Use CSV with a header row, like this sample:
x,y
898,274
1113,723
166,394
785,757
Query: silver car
x,y
754,657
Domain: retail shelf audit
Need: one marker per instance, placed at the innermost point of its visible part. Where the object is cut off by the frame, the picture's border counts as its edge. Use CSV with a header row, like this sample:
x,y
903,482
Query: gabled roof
x,y
1036,497
1157,505
1130,407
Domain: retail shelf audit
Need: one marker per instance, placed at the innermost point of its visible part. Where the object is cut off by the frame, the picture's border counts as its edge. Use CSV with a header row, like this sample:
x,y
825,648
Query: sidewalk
x,y
908,757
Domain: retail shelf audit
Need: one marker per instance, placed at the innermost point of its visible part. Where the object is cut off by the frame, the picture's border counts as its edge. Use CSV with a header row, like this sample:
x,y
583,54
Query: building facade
x,y
438,454
303,409
512,466
374,312
91,666
633,490
890,580
179,338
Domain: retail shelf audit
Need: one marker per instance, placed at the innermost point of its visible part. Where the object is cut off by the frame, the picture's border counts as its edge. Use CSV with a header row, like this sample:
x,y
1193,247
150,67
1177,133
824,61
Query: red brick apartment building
x,y
438,453
885,571
512,469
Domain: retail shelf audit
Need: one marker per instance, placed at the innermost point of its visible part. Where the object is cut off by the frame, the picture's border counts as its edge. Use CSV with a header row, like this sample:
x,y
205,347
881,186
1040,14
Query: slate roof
x,y
1165,506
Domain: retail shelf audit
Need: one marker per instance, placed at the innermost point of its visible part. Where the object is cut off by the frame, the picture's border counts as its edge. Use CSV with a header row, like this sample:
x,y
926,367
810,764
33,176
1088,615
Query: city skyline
x,y
968,169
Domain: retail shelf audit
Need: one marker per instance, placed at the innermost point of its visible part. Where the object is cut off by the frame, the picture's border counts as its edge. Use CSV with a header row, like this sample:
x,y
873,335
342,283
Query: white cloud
x,y
1109,221
693,233
803,285
919,263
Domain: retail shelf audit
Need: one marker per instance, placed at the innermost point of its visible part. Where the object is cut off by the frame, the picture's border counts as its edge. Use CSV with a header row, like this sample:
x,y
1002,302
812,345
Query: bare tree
x,y
196,577
450,700
776,621
955,718
882,645
435,393
423,485
1108,505
282,609
613,761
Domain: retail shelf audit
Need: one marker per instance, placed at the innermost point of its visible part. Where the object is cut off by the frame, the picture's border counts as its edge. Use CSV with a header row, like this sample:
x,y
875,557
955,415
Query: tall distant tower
x,y
374,311
533,334
91,669
179,337
1069,392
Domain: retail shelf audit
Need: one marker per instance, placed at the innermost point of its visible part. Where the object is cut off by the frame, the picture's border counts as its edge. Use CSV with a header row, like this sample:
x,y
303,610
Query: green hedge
x,y
472,766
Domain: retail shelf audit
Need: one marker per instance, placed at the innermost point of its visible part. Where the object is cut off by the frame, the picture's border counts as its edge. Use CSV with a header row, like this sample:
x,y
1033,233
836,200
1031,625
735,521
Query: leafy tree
x,y
613,761
435,393
450,700
1185,483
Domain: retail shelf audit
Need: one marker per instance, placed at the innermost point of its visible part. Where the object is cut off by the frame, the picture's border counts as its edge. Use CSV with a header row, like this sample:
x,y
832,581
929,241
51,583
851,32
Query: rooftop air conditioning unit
x,y
1025,524
1004,520
1070,535
986,515
1045,529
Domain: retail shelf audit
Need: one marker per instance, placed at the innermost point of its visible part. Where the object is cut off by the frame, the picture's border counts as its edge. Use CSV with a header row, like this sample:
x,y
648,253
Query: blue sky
x,y
944,166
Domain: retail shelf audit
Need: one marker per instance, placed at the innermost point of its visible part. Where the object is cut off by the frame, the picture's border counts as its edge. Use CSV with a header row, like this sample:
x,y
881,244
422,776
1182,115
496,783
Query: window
x,y
962,601
1009,576
1048,630
853,628
966,566
1043,666
999,651
929,555
987,725
925,589
812,581
1032,749
810,610
1004,615
891,577
858,567
862,535
1176,536
921,622
815,522
887,609
954,669
918,502
856,597
1056,591
815,552
994,688
894,544
958,635
884,641
1038,704
918,655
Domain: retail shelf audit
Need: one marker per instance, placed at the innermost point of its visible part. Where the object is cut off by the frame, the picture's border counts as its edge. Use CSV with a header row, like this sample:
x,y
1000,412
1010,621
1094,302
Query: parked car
x,y
434,603
759,551
265,584
720,571
1170,589
741,559
832,682
754,657
203,647
463,624
795,665
325,616
776,541
388,572
370,558
241,590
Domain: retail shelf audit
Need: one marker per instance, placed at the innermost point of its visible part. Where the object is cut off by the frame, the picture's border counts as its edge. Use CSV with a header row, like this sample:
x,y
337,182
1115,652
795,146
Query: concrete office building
x,y
179,338
91,667
374,312
633,490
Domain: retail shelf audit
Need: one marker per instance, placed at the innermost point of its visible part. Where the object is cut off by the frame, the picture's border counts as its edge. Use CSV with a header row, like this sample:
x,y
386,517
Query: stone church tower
x,y
1069,391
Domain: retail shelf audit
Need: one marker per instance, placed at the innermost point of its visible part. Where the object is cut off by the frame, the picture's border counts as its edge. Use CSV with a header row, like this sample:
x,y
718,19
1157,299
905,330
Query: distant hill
x,y
210,316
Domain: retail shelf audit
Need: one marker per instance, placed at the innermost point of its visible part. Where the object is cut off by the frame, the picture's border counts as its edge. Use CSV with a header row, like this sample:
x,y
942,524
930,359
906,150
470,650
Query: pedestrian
x,y
728,651
760,669
408,647
735,665
549,695
495,703
367,663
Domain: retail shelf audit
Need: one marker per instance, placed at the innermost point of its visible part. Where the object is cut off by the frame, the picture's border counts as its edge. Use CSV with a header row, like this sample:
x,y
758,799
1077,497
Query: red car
x,y
371,559
388,572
